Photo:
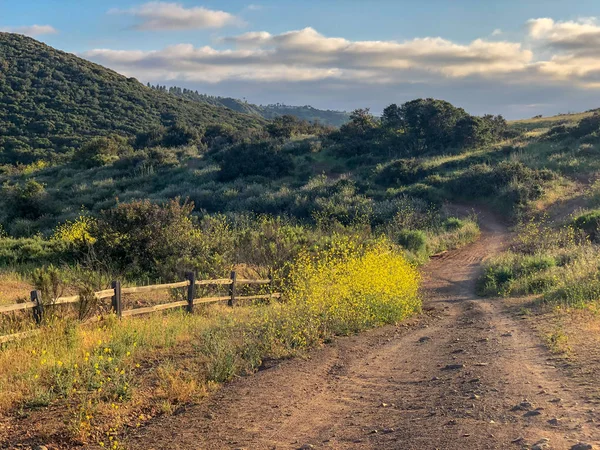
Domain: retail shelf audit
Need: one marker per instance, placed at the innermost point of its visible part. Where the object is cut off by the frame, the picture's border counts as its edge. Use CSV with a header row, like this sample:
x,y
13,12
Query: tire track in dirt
x,y
448,380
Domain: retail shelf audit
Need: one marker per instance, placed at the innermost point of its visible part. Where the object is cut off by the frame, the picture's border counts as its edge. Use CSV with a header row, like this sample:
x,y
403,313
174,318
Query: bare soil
x,y
468,373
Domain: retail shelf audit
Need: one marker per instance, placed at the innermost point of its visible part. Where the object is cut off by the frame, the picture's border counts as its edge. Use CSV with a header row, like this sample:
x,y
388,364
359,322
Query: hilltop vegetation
x,y
308,113
52,102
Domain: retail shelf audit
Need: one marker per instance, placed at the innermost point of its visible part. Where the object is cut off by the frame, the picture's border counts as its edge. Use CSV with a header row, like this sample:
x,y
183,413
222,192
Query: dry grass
x,y
13,288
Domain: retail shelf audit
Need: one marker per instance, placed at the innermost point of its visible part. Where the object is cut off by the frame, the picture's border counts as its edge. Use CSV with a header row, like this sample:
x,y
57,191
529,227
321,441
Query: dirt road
x,y
466,375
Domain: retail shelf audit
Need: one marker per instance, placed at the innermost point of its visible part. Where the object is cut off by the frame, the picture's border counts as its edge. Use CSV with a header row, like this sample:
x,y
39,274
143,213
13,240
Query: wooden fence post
x,y
271,285
38,309
116,299
231,301
191,293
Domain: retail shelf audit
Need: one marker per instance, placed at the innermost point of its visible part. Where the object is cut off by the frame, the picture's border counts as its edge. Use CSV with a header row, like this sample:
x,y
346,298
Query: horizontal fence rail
x,y
116,293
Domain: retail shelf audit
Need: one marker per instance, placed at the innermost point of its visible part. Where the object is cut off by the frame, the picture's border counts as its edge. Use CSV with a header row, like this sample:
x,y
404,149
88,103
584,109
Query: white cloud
x,y
174,16
574,47
555,60
306,54
577,36
497,32
31,30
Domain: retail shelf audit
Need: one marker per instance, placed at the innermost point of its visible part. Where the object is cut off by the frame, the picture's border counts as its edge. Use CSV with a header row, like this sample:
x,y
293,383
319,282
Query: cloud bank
x,y
551,59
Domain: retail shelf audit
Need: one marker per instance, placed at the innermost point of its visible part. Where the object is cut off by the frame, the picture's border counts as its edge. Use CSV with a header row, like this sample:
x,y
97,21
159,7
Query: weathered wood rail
x,y
37,305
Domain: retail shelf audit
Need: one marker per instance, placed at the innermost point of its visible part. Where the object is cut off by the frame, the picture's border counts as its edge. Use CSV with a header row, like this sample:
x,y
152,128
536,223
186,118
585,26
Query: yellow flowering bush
x,y
77,231
341,289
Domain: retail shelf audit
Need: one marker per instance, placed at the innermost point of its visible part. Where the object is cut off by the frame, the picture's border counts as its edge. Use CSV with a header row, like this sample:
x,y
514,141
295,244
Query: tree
x,y
428,124
284,126
391,119
361,122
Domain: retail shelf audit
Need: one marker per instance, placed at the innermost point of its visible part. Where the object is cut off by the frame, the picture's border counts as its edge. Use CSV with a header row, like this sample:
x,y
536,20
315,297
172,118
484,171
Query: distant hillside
x,y
52,101
325,117
541,122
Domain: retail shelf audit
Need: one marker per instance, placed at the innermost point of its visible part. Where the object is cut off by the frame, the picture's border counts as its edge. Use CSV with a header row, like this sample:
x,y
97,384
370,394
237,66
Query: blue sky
x,y
519,58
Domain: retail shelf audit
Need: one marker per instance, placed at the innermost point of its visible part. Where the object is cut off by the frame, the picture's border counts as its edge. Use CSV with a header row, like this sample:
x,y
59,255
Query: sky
x,y
516,58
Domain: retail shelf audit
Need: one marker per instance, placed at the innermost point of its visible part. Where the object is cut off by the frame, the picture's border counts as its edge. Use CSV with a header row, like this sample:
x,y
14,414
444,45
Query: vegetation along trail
x,y
464,375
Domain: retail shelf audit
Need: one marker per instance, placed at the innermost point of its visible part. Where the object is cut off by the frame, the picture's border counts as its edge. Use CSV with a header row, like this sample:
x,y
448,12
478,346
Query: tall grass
x,y
557,263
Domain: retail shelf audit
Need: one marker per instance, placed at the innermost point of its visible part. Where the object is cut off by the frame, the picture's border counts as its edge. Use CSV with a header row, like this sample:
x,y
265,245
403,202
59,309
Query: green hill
x,y
325,117
52,101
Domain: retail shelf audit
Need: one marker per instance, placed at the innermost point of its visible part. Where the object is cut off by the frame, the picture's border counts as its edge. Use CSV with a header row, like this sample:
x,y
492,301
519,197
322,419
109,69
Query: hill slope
x,y
307,112
52,101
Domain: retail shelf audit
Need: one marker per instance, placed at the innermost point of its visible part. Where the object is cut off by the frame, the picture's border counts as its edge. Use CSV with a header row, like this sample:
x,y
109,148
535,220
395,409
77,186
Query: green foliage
x,y
27,200
415,241
159,240
52,102
33,252
261,159
518,274
589,223
101,151
401,171
177,135
509,181
429,125
453,224
287,126
49,281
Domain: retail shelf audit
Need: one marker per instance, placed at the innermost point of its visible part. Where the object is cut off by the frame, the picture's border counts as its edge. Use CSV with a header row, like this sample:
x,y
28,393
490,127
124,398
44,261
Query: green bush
x,y
452,224
518,274
401,171
415,241
164,241
535,263
259,159
101,151
510,182
33,251
589,223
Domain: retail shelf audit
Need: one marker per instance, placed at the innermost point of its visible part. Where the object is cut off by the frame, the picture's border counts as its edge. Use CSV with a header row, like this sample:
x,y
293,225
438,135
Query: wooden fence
x,y
37,305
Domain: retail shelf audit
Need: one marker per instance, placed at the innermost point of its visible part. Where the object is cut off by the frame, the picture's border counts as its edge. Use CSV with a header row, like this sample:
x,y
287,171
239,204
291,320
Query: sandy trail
x,y
447,380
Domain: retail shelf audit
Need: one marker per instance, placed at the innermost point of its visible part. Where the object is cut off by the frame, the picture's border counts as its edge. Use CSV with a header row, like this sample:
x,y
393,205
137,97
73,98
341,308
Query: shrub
x,y
101,151
535,263
575,293
28,200
348,289
142,238
589,223
263,159
77,232
401,171
415,241
518,274
33,251
452,224
510,181
586,126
